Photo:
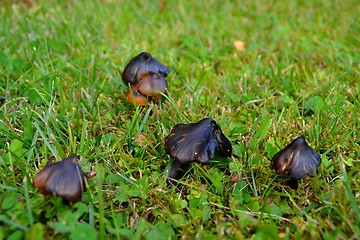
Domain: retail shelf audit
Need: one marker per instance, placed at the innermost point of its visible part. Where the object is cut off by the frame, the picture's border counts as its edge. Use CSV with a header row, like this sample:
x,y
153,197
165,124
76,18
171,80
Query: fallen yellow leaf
x,y
239,45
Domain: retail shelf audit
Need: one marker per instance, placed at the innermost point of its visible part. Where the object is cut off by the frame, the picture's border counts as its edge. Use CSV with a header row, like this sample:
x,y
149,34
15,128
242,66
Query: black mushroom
x,y
65,179
298,159
152,84
147,77
199,141
141,64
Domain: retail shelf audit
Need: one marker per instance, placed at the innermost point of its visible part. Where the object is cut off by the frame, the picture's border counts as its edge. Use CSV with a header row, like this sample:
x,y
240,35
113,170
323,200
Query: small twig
x,y
134,213
254,214
299,209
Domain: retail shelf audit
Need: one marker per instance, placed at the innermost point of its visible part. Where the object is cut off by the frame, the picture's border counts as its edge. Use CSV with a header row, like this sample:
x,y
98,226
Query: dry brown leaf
x,y
142,139
239,45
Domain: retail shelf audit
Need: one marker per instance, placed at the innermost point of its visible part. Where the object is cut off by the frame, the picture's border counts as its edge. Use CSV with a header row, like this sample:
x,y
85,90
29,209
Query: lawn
x,y
61,94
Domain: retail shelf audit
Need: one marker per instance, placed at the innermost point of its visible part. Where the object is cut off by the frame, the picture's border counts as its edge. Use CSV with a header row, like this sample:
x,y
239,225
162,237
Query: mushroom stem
x,y
176,171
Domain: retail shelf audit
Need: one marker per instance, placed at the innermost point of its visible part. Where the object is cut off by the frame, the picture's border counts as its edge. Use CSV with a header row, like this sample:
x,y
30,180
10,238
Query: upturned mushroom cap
x,y
65,179
134,96
152,84
142,63
197,142
298,158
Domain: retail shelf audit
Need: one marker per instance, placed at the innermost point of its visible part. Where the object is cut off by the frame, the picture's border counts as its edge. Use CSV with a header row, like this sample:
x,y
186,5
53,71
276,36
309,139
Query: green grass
x,y
62,94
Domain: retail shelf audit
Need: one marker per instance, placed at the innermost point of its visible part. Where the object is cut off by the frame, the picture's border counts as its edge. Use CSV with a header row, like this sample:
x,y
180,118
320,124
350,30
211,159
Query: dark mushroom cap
x,y
197,142
298,158
142,63
152,84
134,96
65,179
